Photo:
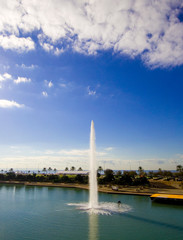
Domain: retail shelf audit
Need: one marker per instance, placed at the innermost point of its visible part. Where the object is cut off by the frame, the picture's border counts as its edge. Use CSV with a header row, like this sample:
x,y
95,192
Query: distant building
x,y
73,172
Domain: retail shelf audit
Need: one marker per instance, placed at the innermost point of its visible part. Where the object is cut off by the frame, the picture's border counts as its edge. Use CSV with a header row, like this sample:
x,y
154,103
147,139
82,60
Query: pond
x,y
38,213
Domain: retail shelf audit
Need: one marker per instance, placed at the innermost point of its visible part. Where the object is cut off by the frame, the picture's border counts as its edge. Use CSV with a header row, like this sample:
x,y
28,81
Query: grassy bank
x,y
165,187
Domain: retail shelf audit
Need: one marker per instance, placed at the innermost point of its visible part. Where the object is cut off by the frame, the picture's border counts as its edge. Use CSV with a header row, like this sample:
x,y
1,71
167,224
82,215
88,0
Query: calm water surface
x,y
39,213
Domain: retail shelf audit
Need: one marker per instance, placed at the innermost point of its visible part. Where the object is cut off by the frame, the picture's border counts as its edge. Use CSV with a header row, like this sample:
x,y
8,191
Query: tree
x,y
80,169
179,168
66,169
64,178
73,168
118,173
141,171
132,174
140,181
54,170
11,170
160,172
44,170
100,169
49,169
125,179
109,176
79,178
150,174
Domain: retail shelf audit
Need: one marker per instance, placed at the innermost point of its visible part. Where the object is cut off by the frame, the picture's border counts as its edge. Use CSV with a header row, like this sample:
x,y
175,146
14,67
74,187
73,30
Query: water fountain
x,y
94,207
93,195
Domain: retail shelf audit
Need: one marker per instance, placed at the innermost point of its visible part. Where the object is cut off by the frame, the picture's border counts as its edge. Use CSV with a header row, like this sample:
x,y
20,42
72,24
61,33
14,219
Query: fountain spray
x,y
93,195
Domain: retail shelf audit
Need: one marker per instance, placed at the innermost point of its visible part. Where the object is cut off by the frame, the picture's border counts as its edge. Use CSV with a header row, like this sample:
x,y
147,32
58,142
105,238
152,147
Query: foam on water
x,y
103,208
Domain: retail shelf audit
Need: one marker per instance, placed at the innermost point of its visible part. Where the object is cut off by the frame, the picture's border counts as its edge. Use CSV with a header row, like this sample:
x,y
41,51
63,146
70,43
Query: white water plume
x,y
93,195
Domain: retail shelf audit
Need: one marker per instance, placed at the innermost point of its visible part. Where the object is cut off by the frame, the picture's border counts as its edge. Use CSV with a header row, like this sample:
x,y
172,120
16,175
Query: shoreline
x,y
127,190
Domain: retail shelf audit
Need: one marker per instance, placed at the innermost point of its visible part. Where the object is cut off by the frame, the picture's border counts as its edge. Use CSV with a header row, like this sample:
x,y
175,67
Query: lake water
x,y
37,213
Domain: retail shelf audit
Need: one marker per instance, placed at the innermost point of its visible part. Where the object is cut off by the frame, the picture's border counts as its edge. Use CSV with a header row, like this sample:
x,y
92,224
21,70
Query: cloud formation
x,y
91,92
49,84
22,80
5,76
10,104
17,43
45,94
152,30
28,67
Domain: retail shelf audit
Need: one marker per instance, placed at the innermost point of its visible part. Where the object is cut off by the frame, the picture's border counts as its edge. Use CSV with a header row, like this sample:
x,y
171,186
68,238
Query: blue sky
x,y
65,63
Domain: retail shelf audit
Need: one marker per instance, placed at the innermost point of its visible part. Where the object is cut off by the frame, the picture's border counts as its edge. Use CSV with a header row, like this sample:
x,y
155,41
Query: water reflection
x,y
14,192
93,227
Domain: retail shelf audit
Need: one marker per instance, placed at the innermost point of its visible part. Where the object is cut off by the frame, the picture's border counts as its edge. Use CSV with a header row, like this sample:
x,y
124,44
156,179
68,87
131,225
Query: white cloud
x,y
45,94
22,80
47,47
150,29
5,67
109,149
10,104
16,43
75,152
91,92
58,51
48,84
28,67
63,85
21,156
80,152
5,77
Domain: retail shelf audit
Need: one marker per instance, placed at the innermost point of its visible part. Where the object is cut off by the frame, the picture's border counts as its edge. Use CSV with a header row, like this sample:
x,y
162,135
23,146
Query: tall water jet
x,y
94,207
93,194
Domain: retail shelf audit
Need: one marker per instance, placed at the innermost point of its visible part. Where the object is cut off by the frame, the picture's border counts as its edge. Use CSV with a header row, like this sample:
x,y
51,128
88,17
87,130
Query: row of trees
x,y
179,169
126,178
109,177
164,173
73,169
45,170
55,178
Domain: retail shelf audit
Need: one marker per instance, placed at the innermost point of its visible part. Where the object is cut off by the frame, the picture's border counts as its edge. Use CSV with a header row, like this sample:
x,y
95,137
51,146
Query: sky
x,y
64,63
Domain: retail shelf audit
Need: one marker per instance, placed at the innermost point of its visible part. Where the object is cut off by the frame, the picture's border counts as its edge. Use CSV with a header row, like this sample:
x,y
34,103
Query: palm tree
x,y
80,169
141,171
179,168
160,172
2,170
100,169
11,170
44,170
73,168
66,169
49,169
54,170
